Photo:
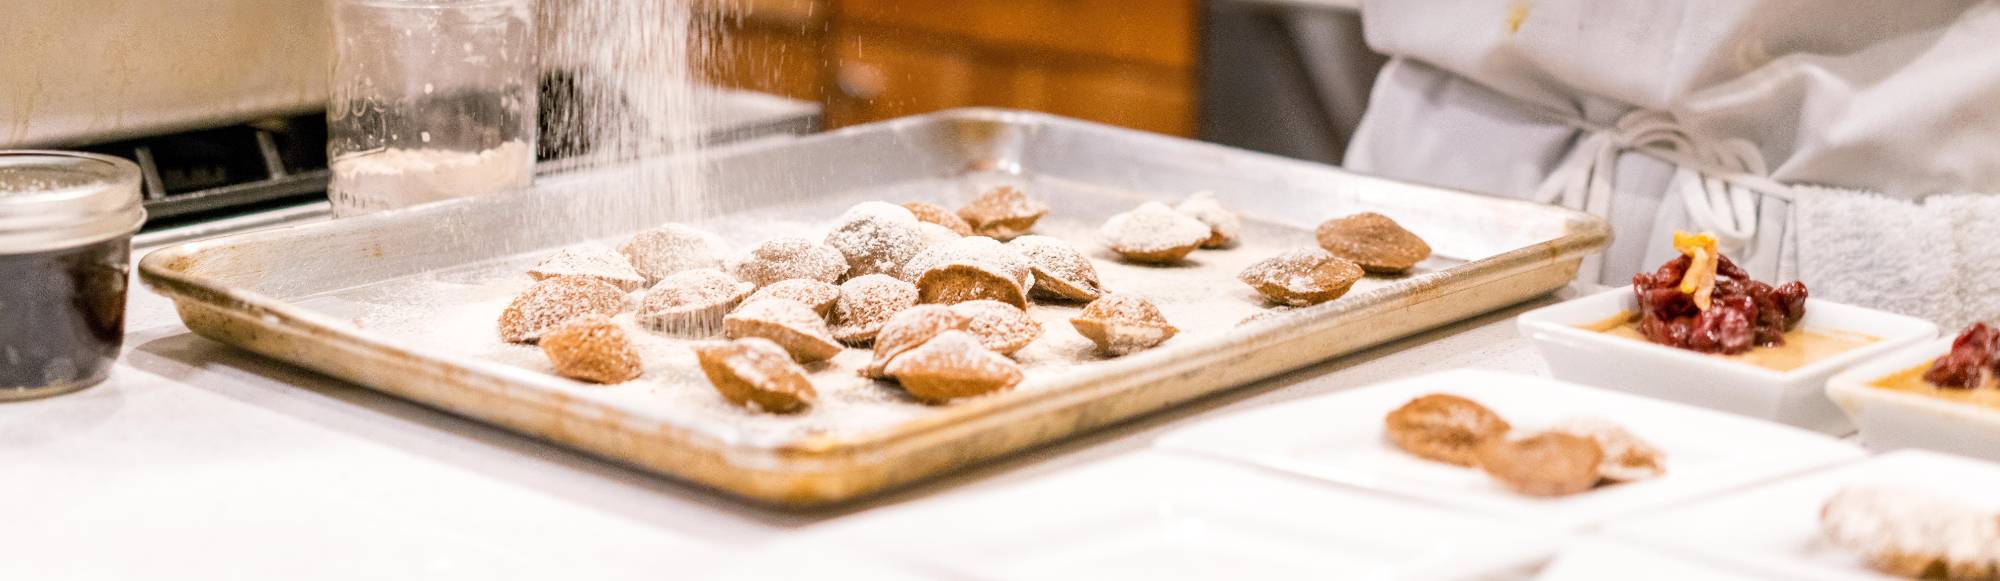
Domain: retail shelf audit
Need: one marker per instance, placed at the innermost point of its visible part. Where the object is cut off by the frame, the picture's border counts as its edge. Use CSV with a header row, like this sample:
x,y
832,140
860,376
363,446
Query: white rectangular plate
x,y
1339,438
1158,516
1776,527
1598,559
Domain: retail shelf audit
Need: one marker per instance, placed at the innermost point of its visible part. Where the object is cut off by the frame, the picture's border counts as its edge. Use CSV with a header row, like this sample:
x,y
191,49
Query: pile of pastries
x,y
940,297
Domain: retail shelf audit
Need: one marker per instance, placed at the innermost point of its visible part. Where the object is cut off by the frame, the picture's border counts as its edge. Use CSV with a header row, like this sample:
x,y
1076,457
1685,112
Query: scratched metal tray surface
x,y
297,294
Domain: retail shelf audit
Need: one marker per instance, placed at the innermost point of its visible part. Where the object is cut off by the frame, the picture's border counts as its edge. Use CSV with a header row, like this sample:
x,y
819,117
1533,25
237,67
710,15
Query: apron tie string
x,y
1719,182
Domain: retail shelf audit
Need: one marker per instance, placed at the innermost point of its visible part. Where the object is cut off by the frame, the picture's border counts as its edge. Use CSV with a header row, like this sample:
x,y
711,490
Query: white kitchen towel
x,y
1936,259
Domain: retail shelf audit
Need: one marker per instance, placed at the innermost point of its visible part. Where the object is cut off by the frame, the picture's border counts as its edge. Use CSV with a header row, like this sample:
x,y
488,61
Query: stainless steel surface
x,y
89,71
246,291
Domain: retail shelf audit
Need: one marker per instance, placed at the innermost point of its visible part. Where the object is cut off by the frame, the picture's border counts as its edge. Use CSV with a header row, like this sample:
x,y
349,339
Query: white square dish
x,y
1795,397
1339,438
1775,528
1891,420
1153,515
1597,559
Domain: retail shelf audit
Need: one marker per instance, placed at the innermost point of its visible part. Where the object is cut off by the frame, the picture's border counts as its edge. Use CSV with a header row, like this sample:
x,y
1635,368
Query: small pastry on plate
x,y
1444,428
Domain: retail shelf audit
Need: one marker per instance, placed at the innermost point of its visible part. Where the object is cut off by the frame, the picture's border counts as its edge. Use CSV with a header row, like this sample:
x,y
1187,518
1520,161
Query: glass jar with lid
x,y
66,225
430,99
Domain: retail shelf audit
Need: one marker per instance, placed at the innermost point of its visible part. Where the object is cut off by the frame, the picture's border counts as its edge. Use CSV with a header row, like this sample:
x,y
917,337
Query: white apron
x,y
1760,120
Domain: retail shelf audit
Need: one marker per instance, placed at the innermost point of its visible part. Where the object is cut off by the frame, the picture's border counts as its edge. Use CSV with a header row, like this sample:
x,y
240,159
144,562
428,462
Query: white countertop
x,y
197,461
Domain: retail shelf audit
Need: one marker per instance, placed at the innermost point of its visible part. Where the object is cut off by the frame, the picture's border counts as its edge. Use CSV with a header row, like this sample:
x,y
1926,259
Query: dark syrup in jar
x,y
62,316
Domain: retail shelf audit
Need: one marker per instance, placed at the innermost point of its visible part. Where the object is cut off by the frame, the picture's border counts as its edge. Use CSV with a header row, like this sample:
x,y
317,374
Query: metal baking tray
x,y
266,291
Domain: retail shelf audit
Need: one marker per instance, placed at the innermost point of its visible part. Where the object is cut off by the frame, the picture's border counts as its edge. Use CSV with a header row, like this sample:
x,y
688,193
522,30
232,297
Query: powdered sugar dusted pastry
x,y
1003,213
593,261
999,326
812,293
1626,457
691,302
935,214
1122,324
672,248
958,282
907,330
591,348
1224,227
999,258
868,302
1914,533
788,323
788,258
1061,272
1301,277
953,365
554,301
877,238
1154,233
757,374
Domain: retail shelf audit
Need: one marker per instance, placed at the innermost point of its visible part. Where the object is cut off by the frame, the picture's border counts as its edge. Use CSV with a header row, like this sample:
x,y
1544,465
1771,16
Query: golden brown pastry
x,y
553,301
1545,464
935,214
1306,276
757,374
1122,324
1003,213
591,348
958,282
1444,428
953,365
788,323
1374,241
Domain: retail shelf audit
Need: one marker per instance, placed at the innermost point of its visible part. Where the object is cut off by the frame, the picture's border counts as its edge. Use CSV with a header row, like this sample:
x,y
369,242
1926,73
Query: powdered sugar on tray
x,y
453,313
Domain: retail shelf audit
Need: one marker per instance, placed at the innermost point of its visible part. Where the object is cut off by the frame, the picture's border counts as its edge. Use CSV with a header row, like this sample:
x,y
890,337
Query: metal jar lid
x,y
51,200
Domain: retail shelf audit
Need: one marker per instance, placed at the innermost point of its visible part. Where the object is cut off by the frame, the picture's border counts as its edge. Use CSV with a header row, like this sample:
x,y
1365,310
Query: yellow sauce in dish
x,y
1912,381
1801,348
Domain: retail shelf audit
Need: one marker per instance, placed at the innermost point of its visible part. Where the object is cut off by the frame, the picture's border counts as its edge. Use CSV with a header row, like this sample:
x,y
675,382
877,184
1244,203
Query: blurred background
x,y
222,102
1285,76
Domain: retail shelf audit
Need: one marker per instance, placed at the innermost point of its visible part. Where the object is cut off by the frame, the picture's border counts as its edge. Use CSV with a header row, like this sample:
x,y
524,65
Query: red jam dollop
x,y
1974,357
1744,313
